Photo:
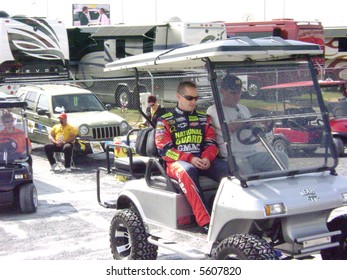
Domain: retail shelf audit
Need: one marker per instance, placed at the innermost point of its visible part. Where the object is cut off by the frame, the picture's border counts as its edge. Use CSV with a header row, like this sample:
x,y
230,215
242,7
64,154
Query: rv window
x,y
120,48
342,44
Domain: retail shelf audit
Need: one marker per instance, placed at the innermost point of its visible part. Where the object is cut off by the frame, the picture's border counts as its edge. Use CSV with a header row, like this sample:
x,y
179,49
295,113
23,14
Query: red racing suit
x,y
180,136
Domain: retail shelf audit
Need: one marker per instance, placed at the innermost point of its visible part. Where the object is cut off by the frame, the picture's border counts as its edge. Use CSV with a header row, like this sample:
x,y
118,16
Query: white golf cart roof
x,y
232,50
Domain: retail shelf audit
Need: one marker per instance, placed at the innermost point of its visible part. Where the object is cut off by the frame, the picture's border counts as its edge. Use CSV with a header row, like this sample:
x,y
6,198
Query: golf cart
x,y
16,174
290,135
285,212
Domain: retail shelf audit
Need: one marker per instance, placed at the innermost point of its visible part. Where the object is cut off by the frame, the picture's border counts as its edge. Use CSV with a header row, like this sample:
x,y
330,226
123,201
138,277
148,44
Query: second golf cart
x,y
16,175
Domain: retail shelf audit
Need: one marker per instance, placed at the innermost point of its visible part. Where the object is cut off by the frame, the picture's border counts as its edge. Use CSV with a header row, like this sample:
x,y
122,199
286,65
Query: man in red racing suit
x,y
186,140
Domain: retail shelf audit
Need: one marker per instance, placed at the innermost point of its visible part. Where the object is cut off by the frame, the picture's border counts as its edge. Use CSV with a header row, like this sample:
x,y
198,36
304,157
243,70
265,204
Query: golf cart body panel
x,y
285,200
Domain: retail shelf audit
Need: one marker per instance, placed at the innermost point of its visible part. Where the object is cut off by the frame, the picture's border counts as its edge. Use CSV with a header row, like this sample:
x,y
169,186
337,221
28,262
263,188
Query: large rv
x,y
32,49
336,52
92,47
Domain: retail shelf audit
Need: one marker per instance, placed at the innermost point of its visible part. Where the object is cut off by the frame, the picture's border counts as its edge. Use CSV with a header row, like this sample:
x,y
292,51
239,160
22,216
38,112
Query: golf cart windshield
x,y
267,134
272,131
13,137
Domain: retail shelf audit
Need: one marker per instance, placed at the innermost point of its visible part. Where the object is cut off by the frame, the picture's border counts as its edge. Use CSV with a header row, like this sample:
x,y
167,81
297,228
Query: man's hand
x,y
201,163
60,143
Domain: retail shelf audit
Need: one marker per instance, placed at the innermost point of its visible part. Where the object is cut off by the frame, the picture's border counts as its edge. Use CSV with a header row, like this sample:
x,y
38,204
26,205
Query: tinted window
x,y
43,102
76,103
30,99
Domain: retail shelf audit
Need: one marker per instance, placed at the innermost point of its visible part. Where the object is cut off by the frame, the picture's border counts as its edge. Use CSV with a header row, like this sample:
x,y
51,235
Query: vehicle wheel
x,y
28,200
339,146
244,247
340,252
280,145
128,237
122,98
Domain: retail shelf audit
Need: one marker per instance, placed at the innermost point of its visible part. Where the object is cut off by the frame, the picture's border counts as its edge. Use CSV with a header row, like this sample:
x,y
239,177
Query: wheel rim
x,y
122,241
279,146
231,257
123,99
253,90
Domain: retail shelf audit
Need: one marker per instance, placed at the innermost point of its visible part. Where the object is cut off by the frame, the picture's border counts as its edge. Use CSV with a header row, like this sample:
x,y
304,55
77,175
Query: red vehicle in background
x,y
305,31
291,136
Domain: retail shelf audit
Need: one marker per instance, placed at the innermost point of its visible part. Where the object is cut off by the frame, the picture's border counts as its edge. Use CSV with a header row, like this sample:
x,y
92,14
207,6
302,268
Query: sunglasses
x,y
8,121
190,98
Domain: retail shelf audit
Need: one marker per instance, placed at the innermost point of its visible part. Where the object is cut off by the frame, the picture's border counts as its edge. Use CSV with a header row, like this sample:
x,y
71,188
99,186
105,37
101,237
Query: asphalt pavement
x,y
69,223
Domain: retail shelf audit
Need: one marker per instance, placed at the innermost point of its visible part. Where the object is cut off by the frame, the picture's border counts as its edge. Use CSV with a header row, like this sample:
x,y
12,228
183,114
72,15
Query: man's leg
x,y
217,171
67,150
188,178
49,150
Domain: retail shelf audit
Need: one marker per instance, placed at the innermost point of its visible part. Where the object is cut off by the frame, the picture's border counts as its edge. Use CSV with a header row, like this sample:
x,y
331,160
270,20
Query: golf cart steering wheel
x,y
9,145
255,128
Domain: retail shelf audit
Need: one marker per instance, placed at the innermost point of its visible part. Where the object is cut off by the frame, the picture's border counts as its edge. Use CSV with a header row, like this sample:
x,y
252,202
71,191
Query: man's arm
x,y
51,136
210,144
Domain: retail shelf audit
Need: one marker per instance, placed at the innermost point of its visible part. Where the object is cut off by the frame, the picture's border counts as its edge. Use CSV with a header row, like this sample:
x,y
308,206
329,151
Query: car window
x,y
43,102
30,99
73,103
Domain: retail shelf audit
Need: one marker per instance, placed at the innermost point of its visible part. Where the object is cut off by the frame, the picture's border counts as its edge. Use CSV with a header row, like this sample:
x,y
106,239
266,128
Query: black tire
x,y
28,199
340,147
123,98
280,145
128,237
340,252
244,247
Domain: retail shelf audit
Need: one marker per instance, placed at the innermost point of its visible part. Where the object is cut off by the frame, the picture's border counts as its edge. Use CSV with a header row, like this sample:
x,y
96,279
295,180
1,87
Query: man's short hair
x,y
231,82
182,86
84,8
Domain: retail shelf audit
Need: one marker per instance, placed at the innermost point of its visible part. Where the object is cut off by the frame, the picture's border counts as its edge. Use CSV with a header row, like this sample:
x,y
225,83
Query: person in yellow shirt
x,y
62,136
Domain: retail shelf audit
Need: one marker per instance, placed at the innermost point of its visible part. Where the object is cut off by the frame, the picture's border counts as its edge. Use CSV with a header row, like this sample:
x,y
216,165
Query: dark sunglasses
x,y
8,121
190,98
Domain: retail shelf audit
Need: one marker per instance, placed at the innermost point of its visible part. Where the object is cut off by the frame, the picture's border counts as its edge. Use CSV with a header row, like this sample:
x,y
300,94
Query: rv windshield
x,y
270,131
13,138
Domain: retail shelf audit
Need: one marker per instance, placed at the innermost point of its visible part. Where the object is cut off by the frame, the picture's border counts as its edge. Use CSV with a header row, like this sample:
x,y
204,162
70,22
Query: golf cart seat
x,y
301,121
134,164
306,120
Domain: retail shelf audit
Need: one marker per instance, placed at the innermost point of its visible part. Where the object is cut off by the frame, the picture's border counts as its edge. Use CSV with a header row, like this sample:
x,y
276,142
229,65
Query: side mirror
x,y
43,112
108,107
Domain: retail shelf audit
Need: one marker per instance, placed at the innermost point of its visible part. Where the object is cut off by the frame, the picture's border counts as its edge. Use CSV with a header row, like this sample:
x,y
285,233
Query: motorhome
x,y
336,52
92,47
32,49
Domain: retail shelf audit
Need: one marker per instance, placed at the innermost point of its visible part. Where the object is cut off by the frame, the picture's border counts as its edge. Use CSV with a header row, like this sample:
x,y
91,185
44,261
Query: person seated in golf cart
x,y
186,141
249,157
13,142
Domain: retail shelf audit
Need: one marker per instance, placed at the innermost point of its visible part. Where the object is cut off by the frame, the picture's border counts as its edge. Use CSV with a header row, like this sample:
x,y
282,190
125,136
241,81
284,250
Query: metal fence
x,y
126,97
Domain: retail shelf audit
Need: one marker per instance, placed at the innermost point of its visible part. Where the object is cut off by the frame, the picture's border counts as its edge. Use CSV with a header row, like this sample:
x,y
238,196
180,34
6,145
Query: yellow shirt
x,y
63,133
